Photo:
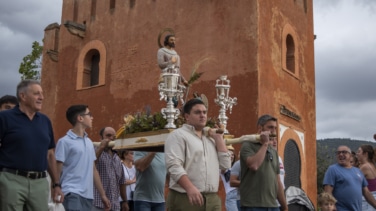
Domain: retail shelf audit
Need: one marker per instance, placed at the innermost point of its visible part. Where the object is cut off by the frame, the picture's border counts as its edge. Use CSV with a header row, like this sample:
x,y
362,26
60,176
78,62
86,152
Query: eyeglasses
x,y
270,155
89,114
342,152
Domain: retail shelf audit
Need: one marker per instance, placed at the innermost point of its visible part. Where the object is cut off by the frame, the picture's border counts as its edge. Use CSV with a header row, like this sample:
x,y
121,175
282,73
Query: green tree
x,y
324,158
31,64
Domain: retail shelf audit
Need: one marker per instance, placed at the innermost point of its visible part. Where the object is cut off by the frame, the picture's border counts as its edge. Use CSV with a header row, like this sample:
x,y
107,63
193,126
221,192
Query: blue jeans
x,y
260,209
231,198
148,206
75,202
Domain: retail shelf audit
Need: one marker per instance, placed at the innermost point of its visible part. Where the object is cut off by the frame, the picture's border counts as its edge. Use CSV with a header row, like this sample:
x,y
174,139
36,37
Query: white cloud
x,y
21,23
345,70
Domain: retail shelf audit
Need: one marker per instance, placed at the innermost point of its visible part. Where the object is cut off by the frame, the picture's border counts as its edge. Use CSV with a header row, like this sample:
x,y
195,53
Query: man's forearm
x,y
255,161
143,163
234,182
281,194
98,152
185,183
123,193
52,167
369,198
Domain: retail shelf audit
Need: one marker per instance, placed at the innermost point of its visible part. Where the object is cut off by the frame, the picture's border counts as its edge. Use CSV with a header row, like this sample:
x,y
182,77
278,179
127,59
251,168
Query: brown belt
x,y
27,174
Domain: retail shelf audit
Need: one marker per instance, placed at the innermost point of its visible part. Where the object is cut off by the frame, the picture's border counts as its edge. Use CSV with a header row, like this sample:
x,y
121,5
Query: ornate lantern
x,y
223,100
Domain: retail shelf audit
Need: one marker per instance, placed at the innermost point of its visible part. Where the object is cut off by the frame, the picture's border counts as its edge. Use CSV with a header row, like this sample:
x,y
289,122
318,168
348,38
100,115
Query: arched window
x,y
91,68
290,53
292,164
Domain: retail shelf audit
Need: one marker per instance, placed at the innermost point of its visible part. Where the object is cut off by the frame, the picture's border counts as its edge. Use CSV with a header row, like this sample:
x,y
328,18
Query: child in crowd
x,y
326,202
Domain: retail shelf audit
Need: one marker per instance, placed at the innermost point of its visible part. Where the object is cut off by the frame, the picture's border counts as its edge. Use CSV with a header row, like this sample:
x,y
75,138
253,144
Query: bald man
x,y
347,183
111,172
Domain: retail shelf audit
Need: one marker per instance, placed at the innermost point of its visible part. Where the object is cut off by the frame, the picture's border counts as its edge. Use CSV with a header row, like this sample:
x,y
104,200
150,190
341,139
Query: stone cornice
x,y
75,28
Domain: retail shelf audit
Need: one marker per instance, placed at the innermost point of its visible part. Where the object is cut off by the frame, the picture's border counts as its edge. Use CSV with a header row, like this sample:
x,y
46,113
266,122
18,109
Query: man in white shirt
x,y
193,160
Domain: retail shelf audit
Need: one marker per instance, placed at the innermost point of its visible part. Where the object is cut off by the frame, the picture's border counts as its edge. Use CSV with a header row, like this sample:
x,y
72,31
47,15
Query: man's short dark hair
x,y
188,105
101,132
8,99
167,38
264,119
73,111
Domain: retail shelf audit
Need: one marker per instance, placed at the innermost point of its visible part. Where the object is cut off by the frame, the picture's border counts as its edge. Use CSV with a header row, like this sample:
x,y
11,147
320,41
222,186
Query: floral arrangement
x,y
145,121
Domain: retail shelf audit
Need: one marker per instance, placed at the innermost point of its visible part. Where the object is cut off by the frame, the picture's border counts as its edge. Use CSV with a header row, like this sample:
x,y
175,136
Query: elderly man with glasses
x,y
347,183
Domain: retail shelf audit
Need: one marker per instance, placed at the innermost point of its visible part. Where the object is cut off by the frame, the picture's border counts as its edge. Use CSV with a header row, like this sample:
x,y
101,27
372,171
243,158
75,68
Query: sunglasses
x,y
342,152
269,154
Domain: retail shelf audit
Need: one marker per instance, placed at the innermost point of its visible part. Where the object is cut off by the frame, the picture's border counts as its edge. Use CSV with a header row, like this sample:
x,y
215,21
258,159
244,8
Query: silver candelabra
x,y
222,87
170,89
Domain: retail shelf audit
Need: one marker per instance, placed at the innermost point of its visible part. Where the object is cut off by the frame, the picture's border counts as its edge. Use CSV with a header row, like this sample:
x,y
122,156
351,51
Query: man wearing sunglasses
x,y
347,183
260,184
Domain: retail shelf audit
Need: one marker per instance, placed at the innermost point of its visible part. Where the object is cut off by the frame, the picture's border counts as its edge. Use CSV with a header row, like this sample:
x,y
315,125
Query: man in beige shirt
x,y
193,160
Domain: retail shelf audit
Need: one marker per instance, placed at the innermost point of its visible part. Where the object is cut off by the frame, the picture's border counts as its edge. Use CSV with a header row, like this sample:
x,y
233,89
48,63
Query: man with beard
x,y
346,183
111,173
260,184
168,57
169,62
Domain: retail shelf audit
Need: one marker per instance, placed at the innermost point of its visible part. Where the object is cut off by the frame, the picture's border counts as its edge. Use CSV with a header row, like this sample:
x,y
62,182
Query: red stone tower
x,y
104,55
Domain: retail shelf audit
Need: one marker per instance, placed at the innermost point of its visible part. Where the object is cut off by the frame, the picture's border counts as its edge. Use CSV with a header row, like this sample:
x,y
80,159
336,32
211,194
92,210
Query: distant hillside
x,y
325,154
331,144
327,147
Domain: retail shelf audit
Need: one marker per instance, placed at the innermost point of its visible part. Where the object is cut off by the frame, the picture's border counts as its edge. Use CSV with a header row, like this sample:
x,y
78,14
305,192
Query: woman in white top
x,y
130,175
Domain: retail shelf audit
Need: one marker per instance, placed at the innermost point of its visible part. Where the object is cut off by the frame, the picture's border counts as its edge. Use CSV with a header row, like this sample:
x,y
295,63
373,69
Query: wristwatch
x,y
56,185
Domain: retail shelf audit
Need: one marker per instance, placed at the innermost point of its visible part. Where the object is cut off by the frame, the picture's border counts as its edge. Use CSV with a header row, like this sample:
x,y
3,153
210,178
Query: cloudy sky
x,y
345,57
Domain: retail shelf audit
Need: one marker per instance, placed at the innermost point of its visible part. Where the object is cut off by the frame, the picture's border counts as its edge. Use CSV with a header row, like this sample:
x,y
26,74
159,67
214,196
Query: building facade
x,y
104,54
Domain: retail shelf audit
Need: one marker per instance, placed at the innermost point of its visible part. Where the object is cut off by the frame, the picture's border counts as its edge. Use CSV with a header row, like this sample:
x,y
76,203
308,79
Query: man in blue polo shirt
x,y
26,152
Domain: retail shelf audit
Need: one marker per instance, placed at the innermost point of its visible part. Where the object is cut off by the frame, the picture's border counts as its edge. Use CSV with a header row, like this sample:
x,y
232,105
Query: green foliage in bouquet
x,y
145,121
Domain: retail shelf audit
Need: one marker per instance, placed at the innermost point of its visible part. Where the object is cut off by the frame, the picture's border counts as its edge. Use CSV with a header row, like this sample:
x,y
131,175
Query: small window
x,y
75,10
93,9
290,54
112,5
302,4
91,69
